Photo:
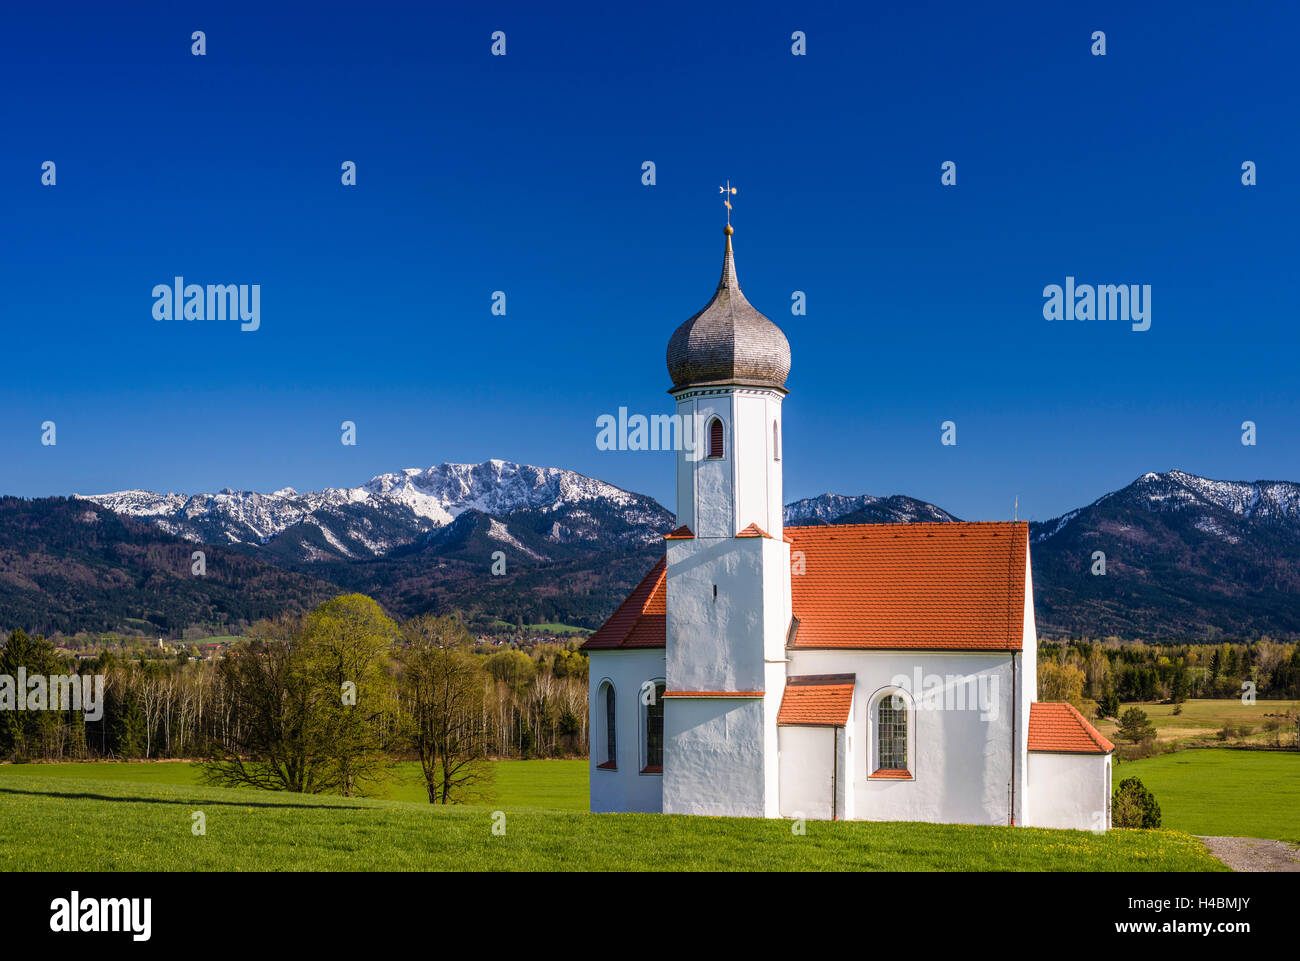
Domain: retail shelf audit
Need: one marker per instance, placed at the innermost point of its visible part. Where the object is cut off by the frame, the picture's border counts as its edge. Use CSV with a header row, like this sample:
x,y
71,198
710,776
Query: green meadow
x,y
1252,794
113,817
556,785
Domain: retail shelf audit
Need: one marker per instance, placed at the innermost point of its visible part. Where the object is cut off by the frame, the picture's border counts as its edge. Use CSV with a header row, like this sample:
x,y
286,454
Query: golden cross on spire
x,y
728,192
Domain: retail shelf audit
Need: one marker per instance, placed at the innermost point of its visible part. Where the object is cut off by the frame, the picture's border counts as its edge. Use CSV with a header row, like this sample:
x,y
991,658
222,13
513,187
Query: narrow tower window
x,y
776,441
715,439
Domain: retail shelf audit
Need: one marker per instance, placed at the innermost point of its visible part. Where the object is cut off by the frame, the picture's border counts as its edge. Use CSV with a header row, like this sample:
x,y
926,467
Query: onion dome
x,y
729,341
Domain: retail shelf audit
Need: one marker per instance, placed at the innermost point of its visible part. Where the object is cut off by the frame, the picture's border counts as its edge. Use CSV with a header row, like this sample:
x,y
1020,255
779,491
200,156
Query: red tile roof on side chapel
x,y
1060,729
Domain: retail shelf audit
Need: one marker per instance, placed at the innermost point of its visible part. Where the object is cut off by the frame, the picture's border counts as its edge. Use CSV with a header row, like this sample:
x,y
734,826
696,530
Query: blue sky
x,y
523,174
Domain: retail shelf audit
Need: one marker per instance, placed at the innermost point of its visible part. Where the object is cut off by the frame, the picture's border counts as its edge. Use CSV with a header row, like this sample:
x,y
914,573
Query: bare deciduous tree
x,y
443,690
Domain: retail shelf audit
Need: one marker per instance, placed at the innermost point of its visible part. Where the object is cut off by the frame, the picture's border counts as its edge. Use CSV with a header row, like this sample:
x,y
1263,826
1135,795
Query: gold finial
x,y
727,193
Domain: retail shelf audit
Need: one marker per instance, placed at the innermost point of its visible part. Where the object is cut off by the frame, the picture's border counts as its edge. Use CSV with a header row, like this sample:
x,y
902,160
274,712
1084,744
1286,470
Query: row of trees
x,y
320,702
1082,671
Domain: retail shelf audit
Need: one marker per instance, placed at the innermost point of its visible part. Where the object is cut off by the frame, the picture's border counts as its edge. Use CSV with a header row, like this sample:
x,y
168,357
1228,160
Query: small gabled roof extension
x,y
821,700
1057,728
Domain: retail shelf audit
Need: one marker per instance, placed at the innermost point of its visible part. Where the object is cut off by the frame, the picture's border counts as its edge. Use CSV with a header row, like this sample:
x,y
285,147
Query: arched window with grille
x,y
654,730
716,439
891,734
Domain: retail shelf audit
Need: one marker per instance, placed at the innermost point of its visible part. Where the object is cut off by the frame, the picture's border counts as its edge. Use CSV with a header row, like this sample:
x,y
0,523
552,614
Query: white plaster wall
x,y
686,466
625,789
807,756
758,475
776,596
961,763
775,476
717,498
712,499
716,644
735,642
774,688
713,757
1069,791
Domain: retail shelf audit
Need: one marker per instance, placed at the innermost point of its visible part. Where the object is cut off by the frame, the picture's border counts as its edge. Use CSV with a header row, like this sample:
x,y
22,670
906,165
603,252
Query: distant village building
x,y
882,672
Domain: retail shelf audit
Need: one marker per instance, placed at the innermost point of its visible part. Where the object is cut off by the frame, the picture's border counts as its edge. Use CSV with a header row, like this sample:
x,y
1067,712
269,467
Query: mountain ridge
x,y
1184,555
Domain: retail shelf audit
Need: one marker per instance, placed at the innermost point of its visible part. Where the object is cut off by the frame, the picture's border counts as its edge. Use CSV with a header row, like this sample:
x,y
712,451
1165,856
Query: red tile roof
x,y
941,586
639,620
818,699
679,533
753,530
932,587
1059,728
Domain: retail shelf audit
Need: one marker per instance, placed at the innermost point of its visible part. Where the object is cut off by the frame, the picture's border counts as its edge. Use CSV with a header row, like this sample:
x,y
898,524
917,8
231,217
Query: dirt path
x,y
1254,854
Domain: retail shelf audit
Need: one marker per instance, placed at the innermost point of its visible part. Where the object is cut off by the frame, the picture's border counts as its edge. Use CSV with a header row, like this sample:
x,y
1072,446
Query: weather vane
x,y
728,192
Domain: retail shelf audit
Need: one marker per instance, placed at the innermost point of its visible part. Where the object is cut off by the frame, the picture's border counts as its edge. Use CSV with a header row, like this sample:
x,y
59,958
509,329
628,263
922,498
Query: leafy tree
x,y
1133,806
514,668
270,742
308,695
350,638
1060,682
1134,725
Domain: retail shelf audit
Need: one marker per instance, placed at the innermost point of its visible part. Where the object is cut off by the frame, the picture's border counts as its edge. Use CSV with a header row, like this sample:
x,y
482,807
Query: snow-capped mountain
x,y
863,509
1184,556
394,510
1215,505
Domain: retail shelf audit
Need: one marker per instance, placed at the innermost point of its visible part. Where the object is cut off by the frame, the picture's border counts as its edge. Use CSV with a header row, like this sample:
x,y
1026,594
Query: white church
x,y
870,672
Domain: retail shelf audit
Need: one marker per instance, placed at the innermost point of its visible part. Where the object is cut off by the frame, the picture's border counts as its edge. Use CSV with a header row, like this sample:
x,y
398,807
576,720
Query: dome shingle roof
x,y
729,341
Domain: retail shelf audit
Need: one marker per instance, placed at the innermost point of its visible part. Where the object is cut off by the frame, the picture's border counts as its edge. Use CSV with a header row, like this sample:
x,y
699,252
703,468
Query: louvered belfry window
x,y
715,438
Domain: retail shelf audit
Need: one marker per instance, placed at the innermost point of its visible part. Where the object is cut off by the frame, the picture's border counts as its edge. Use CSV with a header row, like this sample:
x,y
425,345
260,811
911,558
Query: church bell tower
x,y
728,565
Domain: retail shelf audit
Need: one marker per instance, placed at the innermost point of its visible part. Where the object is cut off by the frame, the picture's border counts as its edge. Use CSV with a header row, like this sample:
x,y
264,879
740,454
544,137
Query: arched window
x,y
654,731
891,733
776,441
611,726
716,448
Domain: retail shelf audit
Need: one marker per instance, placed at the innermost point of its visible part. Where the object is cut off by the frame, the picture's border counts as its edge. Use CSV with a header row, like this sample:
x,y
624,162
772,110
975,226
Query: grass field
x,y
1222,791
1200,720
555,785
71,821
